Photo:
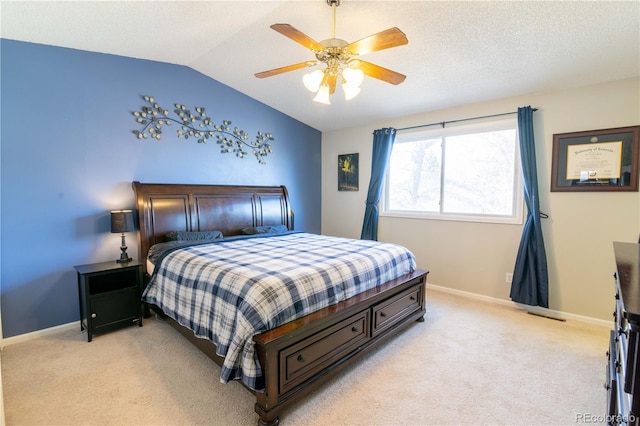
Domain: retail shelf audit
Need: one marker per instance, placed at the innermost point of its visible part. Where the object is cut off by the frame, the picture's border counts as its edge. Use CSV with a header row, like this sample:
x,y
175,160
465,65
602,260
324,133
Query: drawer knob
x,y
412,298
93,315
354,329
301,358
382,314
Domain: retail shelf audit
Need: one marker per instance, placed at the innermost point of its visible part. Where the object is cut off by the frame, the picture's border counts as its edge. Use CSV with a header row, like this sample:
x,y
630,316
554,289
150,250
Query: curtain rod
x,y
443,123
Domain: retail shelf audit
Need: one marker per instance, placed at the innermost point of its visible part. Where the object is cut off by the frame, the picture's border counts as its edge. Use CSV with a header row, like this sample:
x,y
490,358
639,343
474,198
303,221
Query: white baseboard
x,y
533,309
40,333
537,310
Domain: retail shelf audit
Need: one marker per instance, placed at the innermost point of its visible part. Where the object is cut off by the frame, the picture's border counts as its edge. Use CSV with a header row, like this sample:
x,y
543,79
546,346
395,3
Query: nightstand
x,y
109,295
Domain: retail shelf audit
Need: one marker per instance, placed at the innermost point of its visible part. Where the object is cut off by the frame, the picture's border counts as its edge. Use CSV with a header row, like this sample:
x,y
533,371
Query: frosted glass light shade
x,y
350,92
312,80
352,77
323,95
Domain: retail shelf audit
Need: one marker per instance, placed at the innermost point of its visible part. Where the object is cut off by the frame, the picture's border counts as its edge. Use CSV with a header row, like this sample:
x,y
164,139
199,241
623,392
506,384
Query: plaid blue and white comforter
x,y
230,291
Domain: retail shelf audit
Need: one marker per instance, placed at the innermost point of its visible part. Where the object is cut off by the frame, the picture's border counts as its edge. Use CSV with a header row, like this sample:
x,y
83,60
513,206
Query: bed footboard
x,y
300,356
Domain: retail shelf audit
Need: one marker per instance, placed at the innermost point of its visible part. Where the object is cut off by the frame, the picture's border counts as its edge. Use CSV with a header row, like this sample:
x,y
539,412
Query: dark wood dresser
x,y
623,367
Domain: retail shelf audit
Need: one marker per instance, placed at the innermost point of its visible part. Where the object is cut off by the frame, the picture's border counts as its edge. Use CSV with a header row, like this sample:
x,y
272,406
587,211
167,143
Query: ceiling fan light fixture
x,y
323,95
352,77
312,80
350,92
340,59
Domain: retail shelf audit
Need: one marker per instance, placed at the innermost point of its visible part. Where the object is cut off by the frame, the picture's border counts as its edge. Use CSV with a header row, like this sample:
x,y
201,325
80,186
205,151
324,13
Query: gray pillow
x,y
273,229
193,236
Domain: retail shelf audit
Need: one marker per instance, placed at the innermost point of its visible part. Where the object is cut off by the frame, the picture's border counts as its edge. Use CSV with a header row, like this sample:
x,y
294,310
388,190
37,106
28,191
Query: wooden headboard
x,y
162,208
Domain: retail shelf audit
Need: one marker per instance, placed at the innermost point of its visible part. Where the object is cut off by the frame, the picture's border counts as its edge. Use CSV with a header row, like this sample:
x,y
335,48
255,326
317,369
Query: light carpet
x,y
469,363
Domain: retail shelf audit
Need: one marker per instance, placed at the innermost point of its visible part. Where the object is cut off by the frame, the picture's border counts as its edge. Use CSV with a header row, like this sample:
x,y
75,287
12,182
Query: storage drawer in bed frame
x,y
306,358
302,360
396,308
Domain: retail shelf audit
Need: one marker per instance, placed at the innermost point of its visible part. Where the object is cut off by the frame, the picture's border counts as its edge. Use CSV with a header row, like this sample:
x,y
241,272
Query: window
x,y
469,172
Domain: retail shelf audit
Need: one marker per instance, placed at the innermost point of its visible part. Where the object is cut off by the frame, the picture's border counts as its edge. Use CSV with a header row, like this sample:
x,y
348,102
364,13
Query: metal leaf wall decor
x,y
152,117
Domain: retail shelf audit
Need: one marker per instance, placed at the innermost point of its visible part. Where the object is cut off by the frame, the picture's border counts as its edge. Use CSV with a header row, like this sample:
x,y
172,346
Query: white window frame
x,y
517,218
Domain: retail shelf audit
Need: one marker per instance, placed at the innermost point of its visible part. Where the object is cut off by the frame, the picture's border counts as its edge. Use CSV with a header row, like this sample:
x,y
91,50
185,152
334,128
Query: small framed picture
x,y
348,172
596,160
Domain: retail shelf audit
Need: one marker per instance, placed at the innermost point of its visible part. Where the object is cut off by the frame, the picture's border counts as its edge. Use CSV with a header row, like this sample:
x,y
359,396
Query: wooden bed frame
x,y
299,356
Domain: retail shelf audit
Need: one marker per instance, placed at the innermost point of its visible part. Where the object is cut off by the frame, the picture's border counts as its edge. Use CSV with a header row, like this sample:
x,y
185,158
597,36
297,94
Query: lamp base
x,y
124,257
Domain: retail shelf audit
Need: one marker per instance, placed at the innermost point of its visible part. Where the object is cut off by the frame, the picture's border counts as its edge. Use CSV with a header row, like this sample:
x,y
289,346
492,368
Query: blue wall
x,y
68,157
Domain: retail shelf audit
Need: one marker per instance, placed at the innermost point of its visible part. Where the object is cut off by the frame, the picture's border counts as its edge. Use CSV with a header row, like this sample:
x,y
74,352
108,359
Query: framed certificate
x,y
596,160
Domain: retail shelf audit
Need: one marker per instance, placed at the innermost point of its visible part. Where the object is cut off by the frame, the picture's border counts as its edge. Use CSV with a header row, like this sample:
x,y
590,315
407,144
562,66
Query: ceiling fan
x,y
341,60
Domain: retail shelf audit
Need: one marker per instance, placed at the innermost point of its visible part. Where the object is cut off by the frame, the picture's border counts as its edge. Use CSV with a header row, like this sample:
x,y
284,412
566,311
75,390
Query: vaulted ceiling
x,y
459,52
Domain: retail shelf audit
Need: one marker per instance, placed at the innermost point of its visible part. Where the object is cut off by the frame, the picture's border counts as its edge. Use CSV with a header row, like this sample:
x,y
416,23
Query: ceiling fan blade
x,y
331,81
376,71
297,36
288,68
383,40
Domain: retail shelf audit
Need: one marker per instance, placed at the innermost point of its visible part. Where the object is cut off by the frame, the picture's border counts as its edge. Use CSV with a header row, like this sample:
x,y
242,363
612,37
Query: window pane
x,y
479,173
414,176
463,172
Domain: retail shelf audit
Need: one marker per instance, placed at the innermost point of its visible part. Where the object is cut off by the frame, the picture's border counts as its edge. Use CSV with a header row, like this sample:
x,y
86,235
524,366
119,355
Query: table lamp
x,y
121,222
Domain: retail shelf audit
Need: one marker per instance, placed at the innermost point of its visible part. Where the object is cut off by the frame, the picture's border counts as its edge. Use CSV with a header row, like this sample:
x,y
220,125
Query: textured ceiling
x,y
459,52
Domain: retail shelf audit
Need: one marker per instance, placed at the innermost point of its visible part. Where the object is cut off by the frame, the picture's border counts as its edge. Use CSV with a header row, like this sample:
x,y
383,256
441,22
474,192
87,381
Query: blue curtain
x,y
382,145
530,283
